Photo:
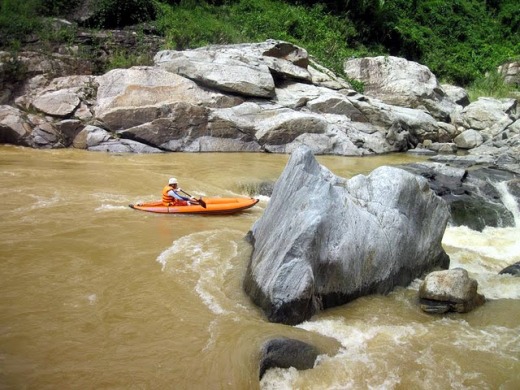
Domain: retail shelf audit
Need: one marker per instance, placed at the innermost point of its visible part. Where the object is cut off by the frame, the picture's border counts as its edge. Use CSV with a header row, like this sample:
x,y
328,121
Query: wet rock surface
x,y
341,239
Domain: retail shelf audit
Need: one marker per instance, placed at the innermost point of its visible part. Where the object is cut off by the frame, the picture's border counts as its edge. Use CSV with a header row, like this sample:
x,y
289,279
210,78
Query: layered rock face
x,y
400,82
267,96
324,240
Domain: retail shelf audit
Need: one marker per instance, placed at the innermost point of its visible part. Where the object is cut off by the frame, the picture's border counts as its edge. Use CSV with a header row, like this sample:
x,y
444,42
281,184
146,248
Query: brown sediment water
x,y
96,295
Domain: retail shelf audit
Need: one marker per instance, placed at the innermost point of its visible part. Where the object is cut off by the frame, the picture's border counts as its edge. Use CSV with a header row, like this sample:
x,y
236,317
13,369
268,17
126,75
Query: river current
x,y
95,295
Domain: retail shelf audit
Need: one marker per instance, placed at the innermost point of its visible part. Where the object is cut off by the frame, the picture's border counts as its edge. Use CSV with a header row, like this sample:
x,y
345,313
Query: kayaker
x,y
172,197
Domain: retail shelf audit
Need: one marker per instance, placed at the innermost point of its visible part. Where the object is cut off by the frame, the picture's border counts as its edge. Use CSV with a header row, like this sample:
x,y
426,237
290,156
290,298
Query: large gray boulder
x,y
94,138
217,70
135,96
468,139
456,94
14,128
60,103
400,82
489,116
324,240
245,69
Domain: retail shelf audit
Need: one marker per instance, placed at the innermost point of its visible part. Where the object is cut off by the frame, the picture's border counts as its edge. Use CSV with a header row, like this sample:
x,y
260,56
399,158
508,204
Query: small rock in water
x,y
449,290
284,353
513,269
421,152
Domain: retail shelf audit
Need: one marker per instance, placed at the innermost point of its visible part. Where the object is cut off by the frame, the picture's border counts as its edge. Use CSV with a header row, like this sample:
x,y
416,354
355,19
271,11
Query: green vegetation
x,y
116,13
18,19
491,85
195,23
255,188
460,40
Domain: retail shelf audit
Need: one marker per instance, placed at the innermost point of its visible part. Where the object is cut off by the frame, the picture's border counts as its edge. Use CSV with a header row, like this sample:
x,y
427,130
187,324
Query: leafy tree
x,y
459,40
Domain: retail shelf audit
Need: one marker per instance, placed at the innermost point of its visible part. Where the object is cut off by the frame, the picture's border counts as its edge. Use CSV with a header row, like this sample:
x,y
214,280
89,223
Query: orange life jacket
x,y
167,199
170,200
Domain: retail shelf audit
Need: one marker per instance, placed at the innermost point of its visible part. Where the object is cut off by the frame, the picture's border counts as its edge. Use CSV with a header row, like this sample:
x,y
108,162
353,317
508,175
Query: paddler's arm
x,y
177,196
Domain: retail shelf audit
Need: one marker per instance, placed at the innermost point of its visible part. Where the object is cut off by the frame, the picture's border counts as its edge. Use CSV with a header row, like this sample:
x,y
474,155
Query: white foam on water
x,y
498,286
389,382
107,197
40,202
354,337
209,300
263,198
169,253
432,365
203,259
354,362
111,207
509,201
92,298
484,254
373,355
495,244
279,379
212,329
501,340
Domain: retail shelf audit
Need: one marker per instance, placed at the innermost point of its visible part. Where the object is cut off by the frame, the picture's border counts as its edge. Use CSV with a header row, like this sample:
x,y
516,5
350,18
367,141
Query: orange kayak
x,y
213,206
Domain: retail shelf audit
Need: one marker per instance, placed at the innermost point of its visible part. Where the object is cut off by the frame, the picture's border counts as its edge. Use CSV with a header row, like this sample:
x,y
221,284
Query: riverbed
x,y
96,295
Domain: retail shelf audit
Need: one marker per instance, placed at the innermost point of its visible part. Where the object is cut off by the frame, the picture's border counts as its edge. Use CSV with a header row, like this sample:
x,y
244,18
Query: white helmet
x,y
172,181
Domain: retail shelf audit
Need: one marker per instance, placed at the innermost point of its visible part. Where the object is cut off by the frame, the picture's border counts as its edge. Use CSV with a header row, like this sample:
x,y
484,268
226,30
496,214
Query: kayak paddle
x,y
201,202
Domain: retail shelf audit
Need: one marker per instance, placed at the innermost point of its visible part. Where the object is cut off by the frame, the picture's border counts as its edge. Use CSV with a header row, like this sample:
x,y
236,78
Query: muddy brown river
x,y
95,295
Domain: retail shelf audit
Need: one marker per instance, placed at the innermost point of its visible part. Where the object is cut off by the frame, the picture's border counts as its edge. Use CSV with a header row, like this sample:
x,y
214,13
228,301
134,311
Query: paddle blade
x,y
202,203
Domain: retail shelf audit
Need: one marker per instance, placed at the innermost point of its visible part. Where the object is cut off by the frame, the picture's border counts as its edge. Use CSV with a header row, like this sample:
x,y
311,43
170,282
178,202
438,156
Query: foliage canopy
x,y
459,40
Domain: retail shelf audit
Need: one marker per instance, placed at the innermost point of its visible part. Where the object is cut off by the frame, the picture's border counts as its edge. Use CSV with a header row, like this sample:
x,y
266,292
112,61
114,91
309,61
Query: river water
x,y
95,295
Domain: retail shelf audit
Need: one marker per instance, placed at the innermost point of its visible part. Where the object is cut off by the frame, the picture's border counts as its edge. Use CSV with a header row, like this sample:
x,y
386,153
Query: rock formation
x,y
471,192
284,353
400,82
267,96
324,240
513,269
450,290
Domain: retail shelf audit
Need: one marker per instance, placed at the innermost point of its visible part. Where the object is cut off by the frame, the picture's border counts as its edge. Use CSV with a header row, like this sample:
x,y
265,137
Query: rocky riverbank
x,y
267,96
272,97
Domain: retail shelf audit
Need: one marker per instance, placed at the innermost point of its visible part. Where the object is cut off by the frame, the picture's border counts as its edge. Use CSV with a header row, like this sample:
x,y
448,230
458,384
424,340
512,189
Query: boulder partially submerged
x,y
284,353
472,192
324,240
513,269
450,290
